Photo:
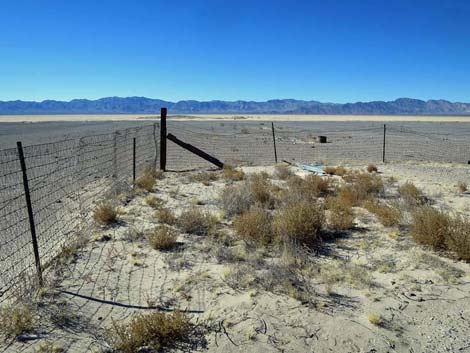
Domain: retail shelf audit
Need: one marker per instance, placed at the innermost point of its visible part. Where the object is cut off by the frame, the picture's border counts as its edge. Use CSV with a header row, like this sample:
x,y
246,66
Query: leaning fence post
x,y
383,149
133,163
274,141
163,139
32,226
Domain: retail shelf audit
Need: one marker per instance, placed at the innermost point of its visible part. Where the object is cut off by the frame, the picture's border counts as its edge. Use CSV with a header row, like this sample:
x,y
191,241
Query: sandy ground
x,y
422,297
259,117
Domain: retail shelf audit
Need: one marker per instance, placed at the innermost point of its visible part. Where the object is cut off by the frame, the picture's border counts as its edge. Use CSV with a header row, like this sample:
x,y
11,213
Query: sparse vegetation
x,y
411,194
372,168
163,238
236,199
387,215
341,215
430,226
458,237
197,222
462,186
16,320
154,331
375,319
105,213
146,181
166,216
230,173
205,178
339,171
261,189
154,201
282,172
254,226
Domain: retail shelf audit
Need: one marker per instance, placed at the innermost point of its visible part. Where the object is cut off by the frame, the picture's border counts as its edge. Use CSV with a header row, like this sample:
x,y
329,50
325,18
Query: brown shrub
x,y
231,173
411,194
254,226
387,215
237,199
105,213
349,196
282,172
308,189
330,170
458,237
341,216
462,186
299,222
155,330
372,168
166,216
163,238
204,177
430,226
261,189
16,320
145,182
195,221
341,171
154,201
368,184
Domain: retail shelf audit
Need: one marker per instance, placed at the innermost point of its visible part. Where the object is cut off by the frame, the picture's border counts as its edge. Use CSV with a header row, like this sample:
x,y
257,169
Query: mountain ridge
x,y
144,105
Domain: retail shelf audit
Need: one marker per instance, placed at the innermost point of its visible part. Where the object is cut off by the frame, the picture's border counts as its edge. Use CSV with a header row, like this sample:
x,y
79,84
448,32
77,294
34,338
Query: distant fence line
x,y
67,178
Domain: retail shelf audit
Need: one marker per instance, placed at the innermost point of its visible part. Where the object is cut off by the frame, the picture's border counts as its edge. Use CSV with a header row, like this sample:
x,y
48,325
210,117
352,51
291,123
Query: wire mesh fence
x,y
66,179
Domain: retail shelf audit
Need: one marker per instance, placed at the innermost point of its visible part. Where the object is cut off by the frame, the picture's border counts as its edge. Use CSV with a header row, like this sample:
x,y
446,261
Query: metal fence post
x,y
156,146
29,206
133,163
115,169
274,141
163,112
383,149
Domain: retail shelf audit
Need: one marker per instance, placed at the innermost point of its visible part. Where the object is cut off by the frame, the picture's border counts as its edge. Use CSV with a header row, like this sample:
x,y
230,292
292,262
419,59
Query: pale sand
x,y
255,117
422,298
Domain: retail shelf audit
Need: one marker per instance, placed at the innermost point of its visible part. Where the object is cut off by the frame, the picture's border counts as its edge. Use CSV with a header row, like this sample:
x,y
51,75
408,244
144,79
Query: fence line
x,y
67,178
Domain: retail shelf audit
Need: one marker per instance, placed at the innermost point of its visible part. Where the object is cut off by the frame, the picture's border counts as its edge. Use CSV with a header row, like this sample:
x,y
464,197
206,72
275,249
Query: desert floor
x,y
243,298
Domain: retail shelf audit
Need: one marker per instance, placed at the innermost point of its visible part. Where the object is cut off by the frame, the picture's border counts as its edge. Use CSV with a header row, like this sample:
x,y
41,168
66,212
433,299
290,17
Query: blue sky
x,y
335,51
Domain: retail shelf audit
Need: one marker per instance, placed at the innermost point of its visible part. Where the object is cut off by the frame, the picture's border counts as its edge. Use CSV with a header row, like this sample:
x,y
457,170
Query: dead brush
x,y
349,196
462,186
166,216
411,194
154,331
195,221
254,226
230,173
154,201
145,182
372,168
368,184
282,172
206,178
163,238
236,199
387,215
105,213
299,222
430,226
261,188
309,189
458,237
17,319
341,215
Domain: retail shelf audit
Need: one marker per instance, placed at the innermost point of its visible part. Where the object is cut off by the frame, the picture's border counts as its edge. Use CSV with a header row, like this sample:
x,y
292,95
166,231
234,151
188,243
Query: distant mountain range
x,y
142,105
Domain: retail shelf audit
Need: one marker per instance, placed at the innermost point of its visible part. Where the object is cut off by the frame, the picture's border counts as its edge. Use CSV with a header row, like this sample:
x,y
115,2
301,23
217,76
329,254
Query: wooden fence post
x,y
383,149
274,141
163,112
29,206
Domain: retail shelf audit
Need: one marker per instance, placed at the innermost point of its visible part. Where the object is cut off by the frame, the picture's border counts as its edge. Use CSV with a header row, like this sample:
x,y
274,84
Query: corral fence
x,y
48,191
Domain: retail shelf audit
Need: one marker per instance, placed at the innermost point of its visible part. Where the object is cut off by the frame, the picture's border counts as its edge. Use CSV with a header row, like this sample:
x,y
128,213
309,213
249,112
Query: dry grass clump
x,y
372,168
341,215
204,177
163,238
299,222
462,186
105,213
349,196
375,319
254,226
368,184
339,171
145,181
166,216
154,201
430,226
261,188
195,221
458,238
150,332
236,199
282,172
387,215
16,320
308,189
231,173
410,193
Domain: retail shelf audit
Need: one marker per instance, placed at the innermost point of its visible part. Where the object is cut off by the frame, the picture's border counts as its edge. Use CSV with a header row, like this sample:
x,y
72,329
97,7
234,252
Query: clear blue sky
x,y
336,51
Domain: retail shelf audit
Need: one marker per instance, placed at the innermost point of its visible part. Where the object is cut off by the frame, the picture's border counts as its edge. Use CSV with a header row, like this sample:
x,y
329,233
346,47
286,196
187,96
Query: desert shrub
x,y
254,226
16,320
261,188
430,226
197,222
349,196
204,177
236,199
341,171
282,172
318,185
368,184
458,237
145,181
163,238
155,331
105,213
375,319
462,186
411,194
341,215
299,222
372,168
330,170
153,201
166,216
49,347
231,173
308,189
387,215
